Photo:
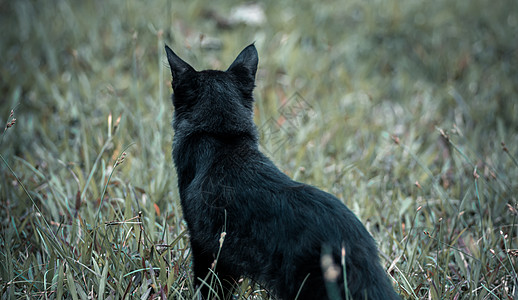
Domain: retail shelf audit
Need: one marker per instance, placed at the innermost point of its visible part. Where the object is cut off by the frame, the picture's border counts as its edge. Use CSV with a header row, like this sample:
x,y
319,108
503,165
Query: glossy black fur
x,y
276,228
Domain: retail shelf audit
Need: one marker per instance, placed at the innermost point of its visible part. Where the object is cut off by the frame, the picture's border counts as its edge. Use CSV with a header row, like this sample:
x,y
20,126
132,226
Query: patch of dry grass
x,y
406,110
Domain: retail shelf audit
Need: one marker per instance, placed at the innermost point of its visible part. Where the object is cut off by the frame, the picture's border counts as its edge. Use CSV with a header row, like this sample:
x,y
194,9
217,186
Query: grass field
x,y
407,110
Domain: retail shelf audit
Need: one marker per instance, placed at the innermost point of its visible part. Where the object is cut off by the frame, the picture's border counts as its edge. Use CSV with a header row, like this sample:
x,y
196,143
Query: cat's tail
x,y
379,288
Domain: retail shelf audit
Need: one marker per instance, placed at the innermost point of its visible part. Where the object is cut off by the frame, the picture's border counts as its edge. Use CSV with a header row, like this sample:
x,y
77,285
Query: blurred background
x,y
406,110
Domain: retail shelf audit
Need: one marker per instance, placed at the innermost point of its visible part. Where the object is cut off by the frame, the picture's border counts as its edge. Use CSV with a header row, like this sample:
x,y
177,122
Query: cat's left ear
x,y
178,66
246,61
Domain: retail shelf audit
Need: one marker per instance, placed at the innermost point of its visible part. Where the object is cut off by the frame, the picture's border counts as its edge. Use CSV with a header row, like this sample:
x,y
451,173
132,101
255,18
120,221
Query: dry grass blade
x,y
402,116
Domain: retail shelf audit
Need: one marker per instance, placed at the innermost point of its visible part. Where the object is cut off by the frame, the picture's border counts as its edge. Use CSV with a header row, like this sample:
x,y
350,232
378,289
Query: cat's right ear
x,y
177,65
246,60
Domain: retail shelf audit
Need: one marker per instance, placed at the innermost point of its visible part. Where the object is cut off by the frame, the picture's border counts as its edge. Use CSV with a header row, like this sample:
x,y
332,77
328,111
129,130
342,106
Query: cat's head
x,y
214,102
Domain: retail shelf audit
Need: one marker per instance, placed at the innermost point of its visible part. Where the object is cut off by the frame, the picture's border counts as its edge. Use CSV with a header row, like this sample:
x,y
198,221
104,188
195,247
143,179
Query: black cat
x,y
285,235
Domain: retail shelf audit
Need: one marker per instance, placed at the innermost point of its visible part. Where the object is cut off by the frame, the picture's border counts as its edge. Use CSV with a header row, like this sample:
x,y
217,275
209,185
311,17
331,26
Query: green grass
x,y
399,108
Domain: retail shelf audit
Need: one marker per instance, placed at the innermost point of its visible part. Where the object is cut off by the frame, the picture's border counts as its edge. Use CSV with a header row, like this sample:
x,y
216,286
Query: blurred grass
x,y
398,107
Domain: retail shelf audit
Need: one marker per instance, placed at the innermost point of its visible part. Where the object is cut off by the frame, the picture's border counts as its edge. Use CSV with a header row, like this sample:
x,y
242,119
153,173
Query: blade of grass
x,y
71,284
102,281
60,283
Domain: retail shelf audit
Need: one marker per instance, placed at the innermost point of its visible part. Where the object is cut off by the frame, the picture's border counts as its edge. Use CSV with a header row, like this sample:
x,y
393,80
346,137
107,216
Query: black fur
x,y
277,230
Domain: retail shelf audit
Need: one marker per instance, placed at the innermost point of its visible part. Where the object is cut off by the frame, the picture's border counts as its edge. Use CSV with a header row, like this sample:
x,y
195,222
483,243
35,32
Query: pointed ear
x,y
178,66
246,60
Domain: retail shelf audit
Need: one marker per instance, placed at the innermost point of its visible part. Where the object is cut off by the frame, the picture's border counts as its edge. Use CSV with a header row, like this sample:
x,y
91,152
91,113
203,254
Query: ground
x,y
406,110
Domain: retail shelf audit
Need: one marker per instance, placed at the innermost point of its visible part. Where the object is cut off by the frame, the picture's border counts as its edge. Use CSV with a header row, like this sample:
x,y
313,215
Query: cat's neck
x,y
194,153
